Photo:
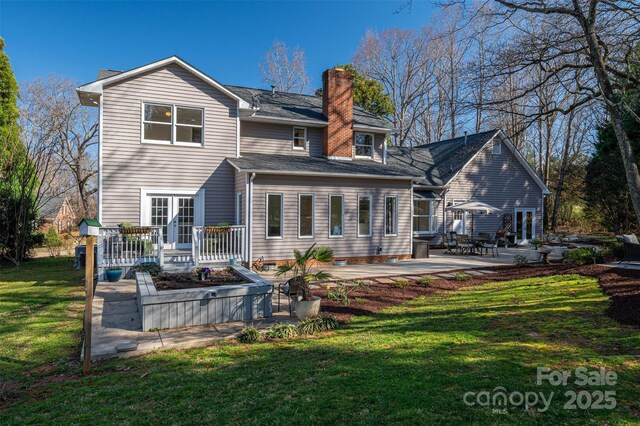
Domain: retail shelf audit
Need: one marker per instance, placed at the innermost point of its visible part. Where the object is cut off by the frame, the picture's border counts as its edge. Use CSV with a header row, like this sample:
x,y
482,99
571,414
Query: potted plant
x,y
203,273
309,305
114,273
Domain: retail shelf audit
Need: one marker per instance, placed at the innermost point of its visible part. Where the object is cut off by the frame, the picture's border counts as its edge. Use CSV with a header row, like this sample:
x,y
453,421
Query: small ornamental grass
x,y
282,330
425,280
316,324
400,283
249,335
461,276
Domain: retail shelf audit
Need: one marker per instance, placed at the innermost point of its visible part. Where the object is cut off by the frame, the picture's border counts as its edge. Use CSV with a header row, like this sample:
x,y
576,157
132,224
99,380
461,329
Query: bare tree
x,y
54,109
284,69
592,44
397,59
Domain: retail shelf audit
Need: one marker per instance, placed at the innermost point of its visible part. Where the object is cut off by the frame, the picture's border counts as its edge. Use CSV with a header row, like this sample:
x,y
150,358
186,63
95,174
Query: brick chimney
x,y
337,106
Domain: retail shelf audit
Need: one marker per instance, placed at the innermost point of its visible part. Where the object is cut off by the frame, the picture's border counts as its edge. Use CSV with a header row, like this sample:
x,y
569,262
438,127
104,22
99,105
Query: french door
x,y
459,224
176,214
525,225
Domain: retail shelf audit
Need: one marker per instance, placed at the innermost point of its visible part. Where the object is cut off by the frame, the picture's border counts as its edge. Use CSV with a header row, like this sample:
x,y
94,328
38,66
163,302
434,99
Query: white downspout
x,y
100,143
250,219
411,219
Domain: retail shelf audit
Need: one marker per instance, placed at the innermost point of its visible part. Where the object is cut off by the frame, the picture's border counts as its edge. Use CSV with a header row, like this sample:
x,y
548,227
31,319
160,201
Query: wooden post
x,y
88,311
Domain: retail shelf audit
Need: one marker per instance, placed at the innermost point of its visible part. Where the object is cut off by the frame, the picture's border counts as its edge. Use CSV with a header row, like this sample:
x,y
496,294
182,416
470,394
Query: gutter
x,y
344,175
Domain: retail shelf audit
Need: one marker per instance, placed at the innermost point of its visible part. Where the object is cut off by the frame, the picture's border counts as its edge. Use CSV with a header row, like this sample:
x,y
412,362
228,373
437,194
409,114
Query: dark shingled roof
x,y
438,162
50,208
107,73
284,164
299,107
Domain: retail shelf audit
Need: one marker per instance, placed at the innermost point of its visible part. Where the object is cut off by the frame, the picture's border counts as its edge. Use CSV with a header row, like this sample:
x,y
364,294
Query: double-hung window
x,y
172,124
364,215
364,145
305,215
390,215
424,217
336,215
299,138
274,215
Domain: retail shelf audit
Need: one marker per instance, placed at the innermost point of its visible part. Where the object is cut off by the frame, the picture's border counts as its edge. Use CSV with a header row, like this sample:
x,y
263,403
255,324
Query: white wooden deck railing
x,y
127,247
218,243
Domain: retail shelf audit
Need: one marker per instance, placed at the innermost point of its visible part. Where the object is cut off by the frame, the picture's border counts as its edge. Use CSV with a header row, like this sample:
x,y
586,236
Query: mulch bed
x,y
621,285
176,281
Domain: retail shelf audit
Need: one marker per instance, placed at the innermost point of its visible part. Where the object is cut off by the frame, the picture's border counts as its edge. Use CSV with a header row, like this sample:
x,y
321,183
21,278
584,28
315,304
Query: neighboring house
x,y
57,212
180,150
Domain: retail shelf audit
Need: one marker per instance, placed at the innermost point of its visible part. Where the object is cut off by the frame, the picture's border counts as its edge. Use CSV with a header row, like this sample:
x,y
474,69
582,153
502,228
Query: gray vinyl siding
x,y
128,164
240,182
348,246
499,180
269,138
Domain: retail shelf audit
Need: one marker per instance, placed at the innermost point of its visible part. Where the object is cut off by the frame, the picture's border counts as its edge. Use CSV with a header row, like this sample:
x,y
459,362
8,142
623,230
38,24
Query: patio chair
x,y
631,247
501,237
291,289
490,245
451,244
484,236
464,244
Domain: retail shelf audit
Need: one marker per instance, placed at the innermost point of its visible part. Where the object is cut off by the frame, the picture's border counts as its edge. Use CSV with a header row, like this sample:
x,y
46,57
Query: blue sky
x,y
224,39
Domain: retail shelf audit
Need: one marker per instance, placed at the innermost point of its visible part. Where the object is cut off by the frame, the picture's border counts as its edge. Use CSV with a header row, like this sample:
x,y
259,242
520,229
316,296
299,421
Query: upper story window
x,y
364,145
299,138
496,147
172,124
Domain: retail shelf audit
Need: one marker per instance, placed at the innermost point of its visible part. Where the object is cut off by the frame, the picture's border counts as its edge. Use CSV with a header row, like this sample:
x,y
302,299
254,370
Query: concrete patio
x,y
439,261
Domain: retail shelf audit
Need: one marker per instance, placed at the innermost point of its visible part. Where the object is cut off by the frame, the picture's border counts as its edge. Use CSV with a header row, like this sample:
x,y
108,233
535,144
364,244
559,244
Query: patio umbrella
x,y
474,207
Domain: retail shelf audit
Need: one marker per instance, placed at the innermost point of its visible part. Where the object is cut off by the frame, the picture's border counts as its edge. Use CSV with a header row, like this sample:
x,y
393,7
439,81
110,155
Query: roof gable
x,y
88,93
443,161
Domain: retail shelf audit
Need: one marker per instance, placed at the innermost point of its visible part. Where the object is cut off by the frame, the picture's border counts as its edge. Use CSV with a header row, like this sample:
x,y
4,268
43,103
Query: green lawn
x,y
40,316
410,364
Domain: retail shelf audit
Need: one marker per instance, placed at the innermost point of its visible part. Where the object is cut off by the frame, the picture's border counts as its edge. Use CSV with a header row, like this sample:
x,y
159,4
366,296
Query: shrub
x,y
37,238
152,268
536,243
249,335
583,256
425,280
282,331
520,260
339,294
312,325
613,251
52,242
400,283
461,276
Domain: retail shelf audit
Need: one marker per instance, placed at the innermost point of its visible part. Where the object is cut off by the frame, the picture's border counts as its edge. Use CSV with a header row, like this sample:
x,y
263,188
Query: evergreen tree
x,y
367,93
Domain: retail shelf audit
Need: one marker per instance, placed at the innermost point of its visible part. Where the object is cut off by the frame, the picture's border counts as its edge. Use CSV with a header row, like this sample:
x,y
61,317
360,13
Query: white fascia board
x,y
344,175
96,87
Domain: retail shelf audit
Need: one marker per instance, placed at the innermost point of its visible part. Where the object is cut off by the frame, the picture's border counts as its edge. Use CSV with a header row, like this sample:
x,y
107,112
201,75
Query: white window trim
x,y
496,147
370,216
266,216
293,139
395,218
373,144
433,225
341,216
313,215
239,208
173,124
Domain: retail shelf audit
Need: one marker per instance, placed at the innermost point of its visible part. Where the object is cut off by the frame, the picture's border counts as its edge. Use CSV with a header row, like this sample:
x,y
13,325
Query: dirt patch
x,y
176,281
621,285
